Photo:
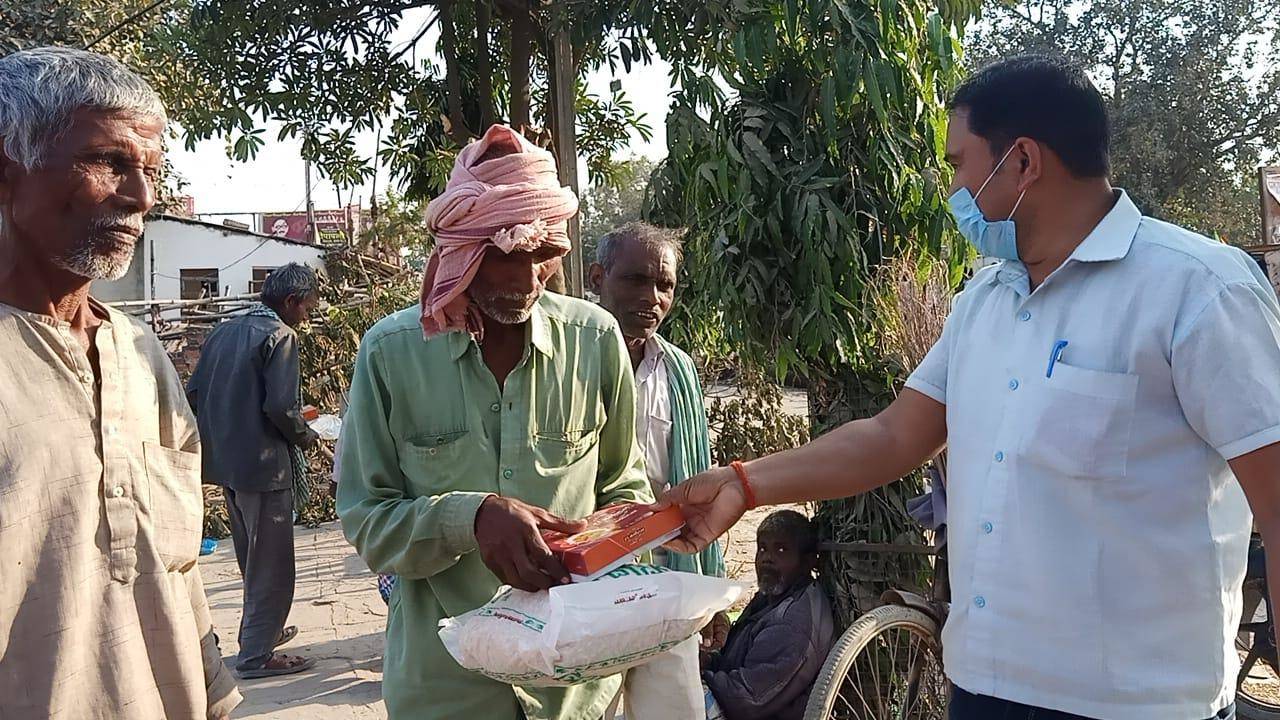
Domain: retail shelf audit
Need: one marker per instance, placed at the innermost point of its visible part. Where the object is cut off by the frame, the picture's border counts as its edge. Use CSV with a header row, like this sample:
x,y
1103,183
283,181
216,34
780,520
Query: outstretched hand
x,y
711,502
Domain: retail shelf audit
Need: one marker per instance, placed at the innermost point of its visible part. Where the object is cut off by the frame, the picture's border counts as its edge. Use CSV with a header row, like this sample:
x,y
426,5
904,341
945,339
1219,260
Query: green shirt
x,y
428,435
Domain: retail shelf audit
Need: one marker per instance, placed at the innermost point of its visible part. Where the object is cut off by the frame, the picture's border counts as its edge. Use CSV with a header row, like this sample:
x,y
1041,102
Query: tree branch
x,y
130,19
523,33
458,130
417,38
484,64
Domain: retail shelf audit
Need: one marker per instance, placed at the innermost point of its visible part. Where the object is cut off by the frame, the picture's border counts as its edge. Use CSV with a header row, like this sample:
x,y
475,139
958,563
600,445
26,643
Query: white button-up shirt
x,y
1097,535
653,415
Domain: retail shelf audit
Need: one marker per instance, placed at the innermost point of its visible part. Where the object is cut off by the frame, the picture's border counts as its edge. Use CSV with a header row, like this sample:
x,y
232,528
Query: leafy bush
x,y
748,419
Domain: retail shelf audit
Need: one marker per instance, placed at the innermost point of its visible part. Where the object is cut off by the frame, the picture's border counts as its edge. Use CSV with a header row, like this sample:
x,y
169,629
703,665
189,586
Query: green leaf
x,y
872,85
759,152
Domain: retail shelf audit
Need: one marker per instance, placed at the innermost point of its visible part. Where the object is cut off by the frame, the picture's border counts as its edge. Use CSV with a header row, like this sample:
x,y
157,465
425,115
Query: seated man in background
x,y
776,649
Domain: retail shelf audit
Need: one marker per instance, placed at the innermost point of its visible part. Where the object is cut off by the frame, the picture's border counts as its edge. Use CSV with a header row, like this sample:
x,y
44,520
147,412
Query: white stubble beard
x,y
500,315
95,257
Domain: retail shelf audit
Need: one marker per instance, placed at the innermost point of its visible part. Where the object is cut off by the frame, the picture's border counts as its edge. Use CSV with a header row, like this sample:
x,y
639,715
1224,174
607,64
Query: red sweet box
x,y
613,536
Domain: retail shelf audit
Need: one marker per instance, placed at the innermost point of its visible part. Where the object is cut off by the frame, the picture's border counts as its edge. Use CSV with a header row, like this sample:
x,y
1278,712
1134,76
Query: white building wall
x,y
177,245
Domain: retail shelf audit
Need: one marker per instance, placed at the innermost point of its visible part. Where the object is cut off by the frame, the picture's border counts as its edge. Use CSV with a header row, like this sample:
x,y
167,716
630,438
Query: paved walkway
x,y
340,619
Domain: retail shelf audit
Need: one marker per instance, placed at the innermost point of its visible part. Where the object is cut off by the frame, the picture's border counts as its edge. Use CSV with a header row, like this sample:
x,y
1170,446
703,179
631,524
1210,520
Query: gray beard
x,y
501,315
98,258
96,263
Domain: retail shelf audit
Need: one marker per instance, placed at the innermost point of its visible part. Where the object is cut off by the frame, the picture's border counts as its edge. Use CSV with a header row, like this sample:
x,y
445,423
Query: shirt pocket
x,y
1078,421
557,450
434,463
175,504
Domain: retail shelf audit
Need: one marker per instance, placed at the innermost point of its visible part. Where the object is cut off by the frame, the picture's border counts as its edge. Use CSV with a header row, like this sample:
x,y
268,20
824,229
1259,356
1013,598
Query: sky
x,y
275,180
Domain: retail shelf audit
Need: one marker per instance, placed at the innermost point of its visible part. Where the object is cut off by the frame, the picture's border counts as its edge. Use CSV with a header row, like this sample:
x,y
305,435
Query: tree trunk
x,y
855,581
458,130
484,65
523,33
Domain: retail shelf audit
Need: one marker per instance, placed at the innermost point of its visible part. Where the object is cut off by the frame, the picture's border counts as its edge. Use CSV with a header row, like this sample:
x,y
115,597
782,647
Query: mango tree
x,y
810,156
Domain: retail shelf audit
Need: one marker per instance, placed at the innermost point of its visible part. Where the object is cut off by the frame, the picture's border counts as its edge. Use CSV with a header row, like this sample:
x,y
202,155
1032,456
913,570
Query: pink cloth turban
x,y
513,202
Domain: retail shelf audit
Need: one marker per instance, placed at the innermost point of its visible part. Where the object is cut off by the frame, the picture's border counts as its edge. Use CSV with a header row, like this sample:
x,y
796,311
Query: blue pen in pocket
x,y
1054,355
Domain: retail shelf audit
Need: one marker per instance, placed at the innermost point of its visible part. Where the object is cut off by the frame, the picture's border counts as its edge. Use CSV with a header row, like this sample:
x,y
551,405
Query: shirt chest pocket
x,y
1077,422
433,463
557,450
174,504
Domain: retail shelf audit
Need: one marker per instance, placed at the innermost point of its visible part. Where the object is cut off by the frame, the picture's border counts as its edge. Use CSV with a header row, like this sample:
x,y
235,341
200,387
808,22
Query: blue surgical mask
x,y
994,239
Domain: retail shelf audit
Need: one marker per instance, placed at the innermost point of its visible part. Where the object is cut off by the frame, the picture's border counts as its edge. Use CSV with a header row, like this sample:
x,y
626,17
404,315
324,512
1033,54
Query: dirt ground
x,y
340,619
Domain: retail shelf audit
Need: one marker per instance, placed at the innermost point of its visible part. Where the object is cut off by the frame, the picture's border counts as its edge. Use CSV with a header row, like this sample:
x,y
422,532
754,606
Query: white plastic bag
x,y
575,633
327,426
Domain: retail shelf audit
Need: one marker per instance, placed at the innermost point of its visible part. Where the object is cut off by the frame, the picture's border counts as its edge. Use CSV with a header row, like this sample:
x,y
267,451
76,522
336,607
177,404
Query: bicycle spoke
x,y
895,689
853,711
875,678
915,680
860,684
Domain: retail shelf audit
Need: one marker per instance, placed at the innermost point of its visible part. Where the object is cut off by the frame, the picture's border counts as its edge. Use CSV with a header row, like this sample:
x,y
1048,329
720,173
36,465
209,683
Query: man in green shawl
x,y
635,276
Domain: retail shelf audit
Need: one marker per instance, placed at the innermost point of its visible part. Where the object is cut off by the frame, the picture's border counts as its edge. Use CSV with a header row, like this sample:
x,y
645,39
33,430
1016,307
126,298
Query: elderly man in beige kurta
x,y
102,611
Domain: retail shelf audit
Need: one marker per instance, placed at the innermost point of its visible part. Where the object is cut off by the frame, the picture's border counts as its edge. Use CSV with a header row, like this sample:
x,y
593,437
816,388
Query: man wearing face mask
x,y
1105,394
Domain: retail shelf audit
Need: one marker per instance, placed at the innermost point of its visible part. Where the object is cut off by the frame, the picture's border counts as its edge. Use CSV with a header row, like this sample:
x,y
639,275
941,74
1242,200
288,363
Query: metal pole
x,y
311,208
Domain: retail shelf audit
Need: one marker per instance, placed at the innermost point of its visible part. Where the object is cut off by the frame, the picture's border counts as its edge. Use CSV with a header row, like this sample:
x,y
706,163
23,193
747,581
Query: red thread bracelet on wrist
x,y
747,490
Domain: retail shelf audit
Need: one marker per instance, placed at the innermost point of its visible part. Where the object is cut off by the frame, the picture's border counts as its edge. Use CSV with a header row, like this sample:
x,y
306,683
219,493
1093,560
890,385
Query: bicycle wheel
x,y
1258,685
886,666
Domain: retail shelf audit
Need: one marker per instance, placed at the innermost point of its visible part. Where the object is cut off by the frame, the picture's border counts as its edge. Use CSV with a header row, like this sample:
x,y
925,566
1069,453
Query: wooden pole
x,y
564,76
1267,178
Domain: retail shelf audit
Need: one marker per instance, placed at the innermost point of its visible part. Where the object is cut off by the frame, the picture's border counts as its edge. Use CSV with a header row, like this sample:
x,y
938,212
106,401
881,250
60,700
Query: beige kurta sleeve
x,y
179,430
220,686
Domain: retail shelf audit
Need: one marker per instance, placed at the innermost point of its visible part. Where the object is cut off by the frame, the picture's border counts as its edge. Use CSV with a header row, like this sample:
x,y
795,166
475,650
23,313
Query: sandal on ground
x,y
279,664
286,636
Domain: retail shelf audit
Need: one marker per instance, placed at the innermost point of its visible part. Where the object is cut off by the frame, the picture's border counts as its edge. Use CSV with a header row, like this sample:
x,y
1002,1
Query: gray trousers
x,y
262,530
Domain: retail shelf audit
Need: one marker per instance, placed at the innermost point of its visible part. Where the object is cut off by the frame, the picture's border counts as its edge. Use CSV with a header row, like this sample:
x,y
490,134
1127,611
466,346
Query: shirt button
x,y
495,407
988,527
999,456
431,451
980,602
1024,316
508,474
1013,384
118,491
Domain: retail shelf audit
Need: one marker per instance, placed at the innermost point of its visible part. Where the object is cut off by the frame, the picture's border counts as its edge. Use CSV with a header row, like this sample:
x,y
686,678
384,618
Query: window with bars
x,y
197,283
259,277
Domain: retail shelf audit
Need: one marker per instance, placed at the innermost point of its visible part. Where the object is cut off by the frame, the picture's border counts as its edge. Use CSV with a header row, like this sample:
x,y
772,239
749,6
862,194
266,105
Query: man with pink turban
x,y
487,414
